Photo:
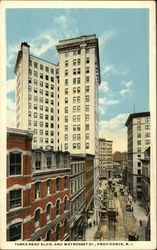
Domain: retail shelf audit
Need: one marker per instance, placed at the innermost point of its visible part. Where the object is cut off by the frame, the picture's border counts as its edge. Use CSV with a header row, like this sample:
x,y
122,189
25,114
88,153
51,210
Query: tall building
x,y
38,190
37,98
79,80
105,158
138,129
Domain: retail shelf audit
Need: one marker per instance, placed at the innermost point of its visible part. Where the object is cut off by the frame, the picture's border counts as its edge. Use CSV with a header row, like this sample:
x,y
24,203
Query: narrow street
x,y
125,220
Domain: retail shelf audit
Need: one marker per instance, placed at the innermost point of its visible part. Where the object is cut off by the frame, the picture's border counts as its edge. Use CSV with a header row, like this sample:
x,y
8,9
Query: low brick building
x,y
38,190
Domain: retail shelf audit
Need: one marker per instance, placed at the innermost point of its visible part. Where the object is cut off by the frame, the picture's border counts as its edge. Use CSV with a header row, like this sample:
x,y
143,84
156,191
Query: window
x,y
87,59
87,136
138,128
47,69
78,118
87,108
66,81
37,190
74,62
74,71
87,127
66,63
139,164
57,207
35,65
48,235
15,232
138,120
74,137
65,203
57,184
37,219
147,127
74,127
147,120
87,70
78,89
66,137
66,91
66,72
138,135
47,77
37,160
48,212
147,135
52,71
78,137
74,145
57,232
78,61
74,80
78,108
66,146
139,171
48,159
87,79
41,67
65,182
78,145
15,198
138,149
138,142
66,110
78,127
66,128
78,80
147,142
66,118
15,162
87,145
41,75
78,71
87,98
87,88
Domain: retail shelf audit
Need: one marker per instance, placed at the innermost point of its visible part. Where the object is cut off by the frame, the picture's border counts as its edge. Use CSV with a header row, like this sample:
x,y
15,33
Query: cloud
x,y
114,129
127,88
101,111
107,102
10,86
115,70
11,54
11,118
10,104
106,36
104,87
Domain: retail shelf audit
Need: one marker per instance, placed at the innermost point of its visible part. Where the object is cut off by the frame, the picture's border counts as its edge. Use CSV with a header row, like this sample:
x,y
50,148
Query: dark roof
x,y
136,115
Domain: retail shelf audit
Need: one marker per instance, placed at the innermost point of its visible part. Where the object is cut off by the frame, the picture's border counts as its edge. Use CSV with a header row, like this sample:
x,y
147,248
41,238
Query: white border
x,y
152,79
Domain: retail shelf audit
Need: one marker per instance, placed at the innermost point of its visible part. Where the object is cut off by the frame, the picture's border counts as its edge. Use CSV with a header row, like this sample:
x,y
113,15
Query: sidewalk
x,y
90,232
139,213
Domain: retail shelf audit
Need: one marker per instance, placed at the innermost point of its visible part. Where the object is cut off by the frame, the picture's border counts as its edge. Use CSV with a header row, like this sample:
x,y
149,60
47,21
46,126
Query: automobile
x,y
115,194
103,214
132,236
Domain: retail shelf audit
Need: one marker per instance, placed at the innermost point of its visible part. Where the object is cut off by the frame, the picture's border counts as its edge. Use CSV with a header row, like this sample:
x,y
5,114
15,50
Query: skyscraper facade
x,y
138,125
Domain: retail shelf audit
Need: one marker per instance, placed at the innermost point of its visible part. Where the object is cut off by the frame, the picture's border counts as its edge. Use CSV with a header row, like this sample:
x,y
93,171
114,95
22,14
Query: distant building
x,y
38,190
138,125
105,158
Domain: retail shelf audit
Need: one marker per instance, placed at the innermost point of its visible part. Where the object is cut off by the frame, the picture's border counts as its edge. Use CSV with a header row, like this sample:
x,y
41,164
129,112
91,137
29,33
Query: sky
x,y
124,57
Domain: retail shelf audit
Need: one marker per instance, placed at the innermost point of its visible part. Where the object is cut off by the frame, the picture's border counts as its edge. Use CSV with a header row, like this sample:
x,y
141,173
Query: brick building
x,y
38,190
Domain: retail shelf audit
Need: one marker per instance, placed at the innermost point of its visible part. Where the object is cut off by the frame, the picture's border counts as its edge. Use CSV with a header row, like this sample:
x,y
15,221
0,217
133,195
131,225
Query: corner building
x,y
38,191
139,139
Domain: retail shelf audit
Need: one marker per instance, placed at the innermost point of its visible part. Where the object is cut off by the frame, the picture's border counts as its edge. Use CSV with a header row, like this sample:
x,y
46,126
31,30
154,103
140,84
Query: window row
x,y
41,84
15,230
41,75
76,80
42,67
147,127
147,120
41,124
41,108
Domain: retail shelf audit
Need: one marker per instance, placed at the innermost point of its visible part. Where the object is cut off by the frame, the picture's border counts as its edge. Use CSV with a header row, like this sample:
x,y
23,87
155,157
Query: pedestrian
x,y
90,224
94,223
140,223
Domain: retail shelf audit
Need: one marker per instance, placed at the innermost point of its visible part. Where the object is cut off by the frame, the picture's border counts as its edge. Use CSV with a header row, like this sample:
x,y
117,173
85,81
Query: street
x,y
125,220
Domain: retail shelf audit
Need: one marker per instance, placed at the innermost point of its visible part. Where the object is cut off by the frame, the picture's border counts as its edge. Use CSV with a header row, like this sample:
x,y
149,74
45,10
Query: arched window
x,y
58,207
37,218
57,184
65,182
48,212
48,235
57,232
65,225
65,203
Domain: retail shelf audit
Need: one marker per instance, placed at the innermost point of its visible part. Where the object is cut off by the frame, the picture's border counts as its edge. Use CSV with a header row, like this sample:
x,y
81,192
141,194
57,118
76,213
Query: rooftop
x,y
136,115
